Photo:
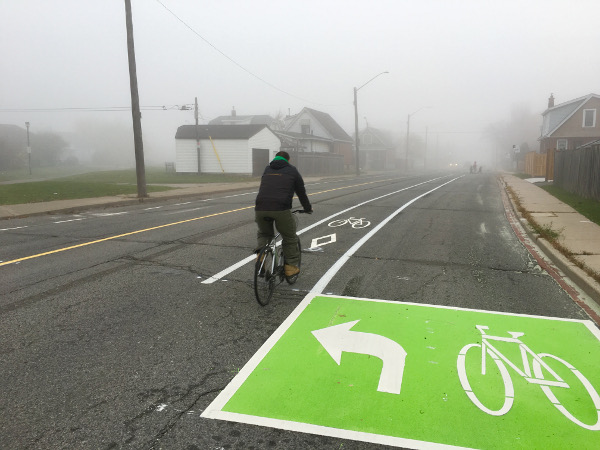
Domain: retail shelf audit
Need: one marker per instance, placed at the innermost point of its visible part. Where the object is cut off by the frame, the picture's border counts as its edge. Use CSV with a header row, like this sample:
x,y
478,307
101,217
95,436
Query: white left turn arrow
x,y
339,338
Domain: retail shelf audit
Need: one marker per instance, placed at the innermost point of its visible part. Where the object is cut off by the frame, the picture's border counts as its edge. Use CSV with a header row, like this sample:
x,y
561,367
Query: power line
x,y
99,109
235,62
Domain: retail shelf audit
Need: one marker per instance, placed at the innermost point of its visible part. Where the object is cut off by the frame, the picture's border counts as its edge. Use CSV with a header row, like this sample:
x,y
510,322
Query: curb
x,y
585,282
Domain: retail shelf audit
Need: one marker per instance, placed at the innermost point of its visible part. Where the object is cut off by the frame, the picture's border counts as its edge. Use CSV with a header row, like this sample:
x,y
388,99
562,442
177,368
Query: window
x,y
561,144
305,126
589,118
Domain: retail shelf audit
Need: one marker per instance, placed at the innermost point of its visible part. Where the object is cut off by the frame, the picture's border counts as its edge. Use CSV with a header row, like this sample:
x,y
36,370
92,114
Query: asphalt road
x,y
110,338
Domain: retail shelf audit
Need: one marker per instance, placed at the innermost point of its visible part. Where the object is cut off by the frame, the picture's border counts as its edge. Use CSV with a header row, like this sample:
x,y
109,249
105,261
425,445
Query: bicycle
x,y
269,268
356,223
538,365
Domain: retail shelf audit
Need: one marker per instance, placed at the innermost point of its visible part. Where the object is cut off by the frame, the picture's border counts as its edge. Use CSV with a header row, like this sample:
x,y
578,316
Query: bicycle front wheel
x,y
497,382
294,278
579,397
264,278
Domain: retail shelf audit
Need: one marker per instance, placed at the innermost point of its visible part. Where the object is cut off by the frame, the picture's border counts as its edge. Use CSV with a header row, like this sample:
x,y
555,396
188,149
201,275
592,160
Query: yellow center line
x,y
5,263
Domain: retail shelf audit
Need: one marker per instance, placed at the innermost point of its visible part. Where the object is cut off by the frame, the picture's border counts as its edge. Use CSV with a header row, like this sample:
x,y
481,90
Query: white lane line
x,y
70,220
109,214
244,261
182,211
14,228
154,207
333,270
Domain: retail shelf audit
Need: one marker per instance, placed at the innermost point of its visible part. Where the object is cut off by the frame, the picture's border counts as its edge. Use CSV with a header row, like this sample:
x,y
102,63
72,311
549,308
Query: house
x,y
239,149
315,131
571,124
234,119
377,152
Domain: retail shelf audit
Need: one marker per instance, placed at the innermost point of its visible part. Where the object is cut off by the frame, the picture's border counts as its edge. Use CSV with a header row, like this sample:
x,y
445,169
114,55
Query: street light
x,y
28,147
356,121
407,135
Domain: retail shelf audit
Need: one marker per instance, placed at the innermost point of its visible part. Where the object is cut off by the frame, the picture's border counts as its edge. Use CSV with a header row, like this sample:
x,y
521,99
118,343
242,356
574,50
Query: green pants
x,y
286,225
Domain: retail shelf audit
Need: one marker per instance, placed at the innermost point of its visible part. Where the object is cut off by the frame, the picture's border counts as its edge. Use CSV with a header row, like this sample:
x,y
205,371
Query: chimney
x,y
233,111
551,101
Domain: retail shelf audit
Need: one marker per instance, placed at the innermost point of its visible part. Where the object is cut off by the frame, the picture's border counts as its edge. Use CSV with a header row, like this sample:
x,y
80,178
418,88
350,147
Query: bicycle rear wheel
x,y
294,278
264,278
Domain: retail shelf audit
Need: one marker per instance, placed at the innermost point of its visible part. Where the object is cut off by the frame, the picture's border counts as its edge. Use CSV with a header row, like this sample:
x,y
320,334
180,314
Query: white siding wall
x,y
232,153
263,139
186,159
318,146
235,154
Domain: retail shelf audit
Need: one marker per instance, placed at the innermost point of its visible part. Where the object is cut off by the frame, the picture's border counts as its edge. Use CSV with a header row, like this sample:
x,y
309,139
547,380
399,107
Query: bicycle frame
x,y
486,346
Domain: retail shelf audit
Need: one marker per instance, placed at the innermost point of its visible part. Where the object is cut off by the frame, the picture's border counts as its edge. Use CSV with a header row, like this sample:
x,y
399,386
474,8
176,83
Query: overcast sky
x,y
469,61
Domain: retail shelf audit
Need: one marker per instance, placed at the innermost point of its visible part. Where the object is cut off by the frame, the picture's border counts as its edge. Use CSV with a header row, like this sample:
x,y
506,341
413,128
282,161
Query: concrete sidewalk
x,y
577,234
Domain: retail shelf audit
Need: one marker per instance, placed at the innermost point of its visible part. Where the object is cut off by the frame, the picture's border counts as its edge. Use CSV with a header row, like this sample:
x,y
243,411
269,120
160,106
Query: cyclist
x,y
278,184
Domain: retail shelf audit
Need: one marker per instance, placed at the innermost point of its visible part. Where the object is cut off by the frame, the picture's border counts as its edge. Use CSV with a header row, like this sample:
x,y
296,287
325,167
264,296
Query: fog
x,y
463,69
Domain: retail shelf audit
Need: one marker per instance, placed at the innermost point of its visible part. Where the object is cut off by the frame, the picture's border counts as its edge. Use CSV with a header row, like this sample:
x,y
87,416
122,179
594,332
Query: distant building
x,y
377,151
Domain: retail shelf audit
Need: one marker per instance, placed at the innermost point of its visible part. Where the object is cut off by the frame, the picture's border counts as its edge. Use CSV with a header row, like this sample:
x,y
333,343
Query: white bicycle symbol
x,y
487,349
356,223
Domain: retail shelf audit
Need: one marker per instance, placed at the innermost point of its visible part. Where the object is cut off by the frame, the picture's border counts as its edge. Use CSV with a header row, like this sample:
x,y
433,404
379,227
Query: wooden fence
x,y
578,171
535,164
540,165
310,164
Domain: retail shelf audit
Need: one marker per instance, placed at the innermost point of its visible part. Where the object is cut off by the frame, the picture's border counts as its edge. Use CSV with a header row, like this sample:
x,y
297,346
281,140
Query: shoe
x,y
290,270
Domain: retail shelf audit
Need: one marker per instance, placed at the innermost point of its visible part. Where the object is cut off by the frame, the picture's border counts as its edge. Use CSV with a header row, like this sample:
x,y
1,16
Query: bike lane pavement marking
x,y
397,381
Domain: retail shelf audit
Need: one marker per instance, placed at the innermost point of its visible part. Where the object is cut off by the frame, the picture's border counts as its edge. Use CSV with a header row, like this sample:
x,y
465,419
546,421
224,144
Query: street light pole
x,y
356,139
28,147
407,135
357,159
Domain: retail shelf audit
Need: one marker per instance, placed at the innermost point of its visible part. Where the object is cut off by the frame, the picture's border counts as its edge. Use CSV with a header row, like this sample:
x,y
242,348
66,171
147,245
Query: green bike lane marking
x,y
394,373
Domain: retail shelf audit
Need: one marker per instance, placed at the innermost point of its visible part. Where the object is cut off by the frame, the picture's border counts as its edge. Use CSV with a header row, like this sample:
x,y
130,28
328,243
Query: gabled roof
x,y
218,131
332,127
557,115
381,136
261,119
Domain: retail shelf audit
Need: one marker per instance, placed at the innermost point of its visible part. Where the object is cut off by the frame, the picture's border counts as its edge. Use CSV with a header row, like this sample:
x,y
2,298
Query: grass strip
x,y
587,207
45,191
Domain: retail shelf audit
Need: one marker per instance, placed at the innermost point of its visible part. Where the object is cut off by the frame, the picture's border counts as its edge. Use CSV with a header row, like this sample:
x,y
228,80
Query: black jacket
x,y
277,187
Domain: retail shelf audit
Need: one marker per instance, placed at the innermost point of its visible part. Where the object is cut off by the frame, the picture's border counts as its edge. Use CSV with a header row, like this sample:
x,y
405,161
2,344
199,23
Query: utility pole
x,y
407,144
197,138
425,153
356,138
28,147
135,108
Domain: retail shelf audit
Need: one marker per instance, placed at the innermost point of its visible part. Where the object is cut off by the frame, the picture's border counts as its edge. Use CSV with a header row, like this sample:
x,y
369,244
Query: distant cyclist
x,y
278,184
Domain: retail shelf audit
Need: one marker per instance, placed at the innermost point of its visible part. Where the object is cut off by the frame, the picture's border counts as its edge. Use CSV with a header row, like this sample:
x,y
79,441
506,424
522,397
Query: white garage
x,y
230,149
